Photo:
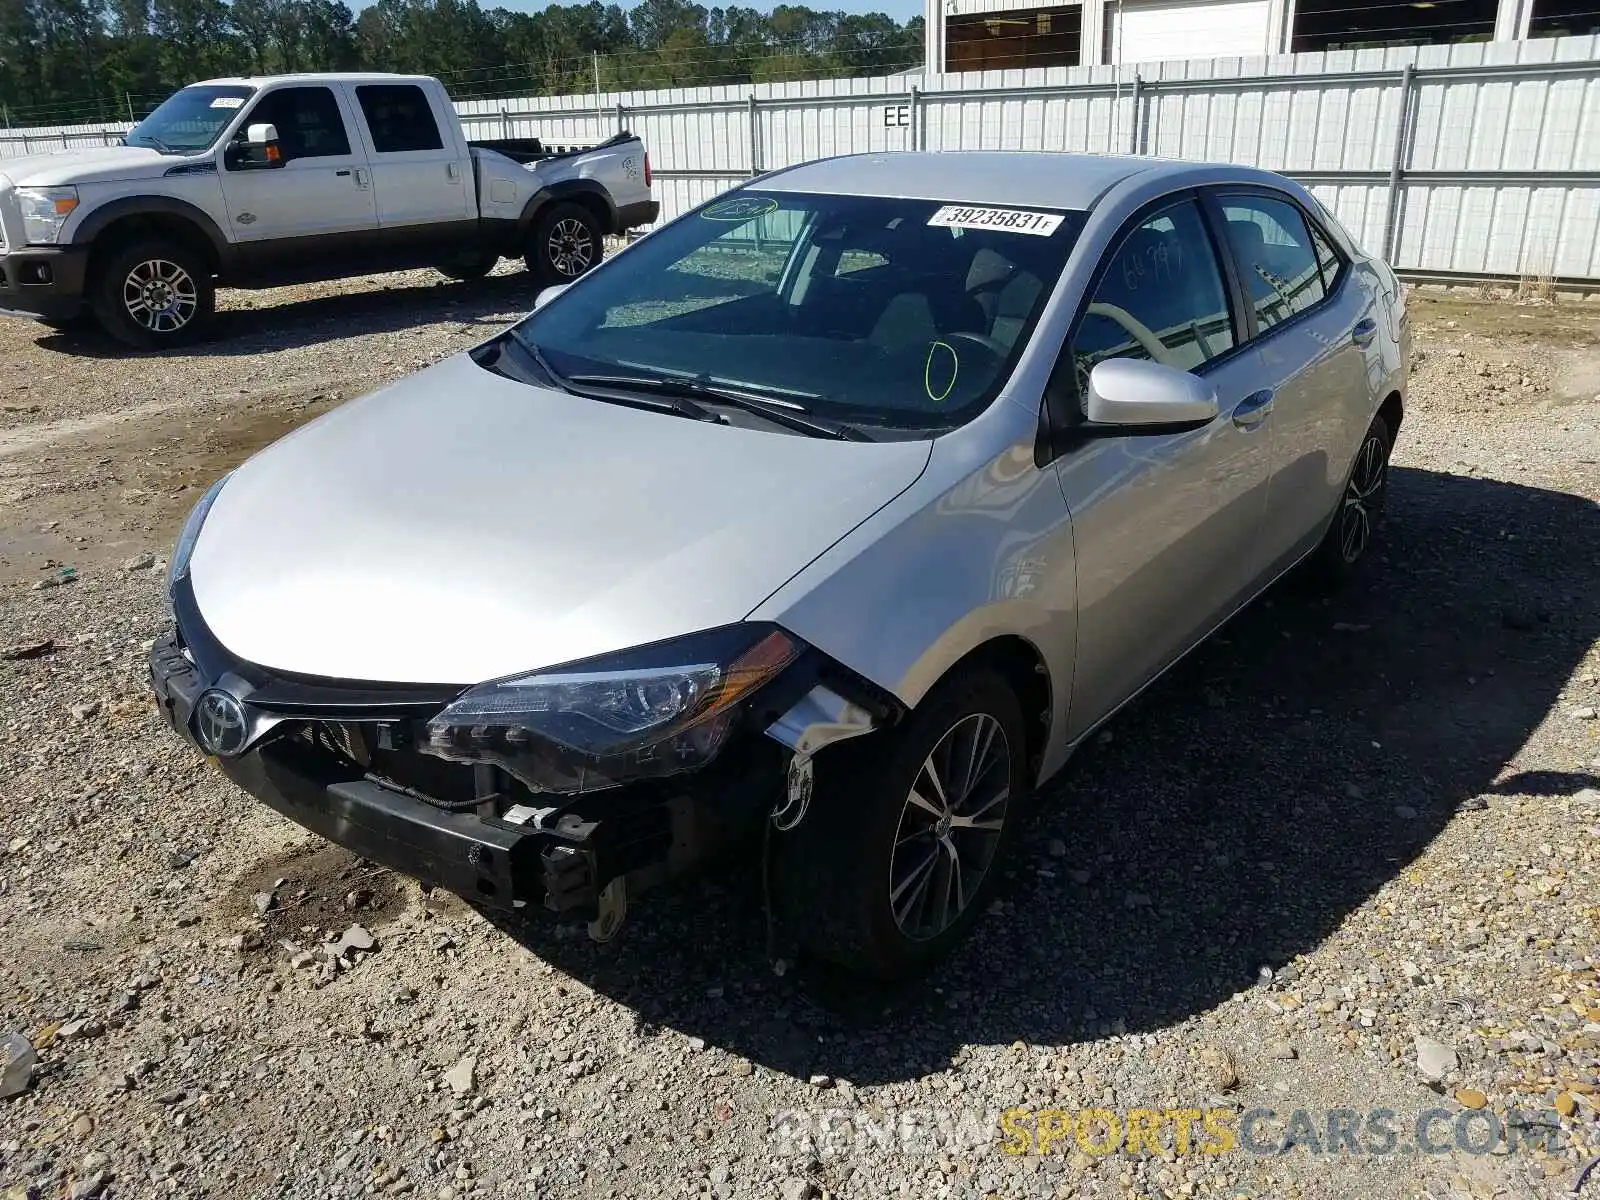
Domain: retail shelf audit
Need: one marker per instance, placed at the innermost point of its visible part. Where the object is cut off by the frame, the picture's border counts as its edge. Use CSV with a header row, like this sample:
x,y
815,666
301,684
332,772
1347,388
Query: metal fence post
x,y
1135,138
621,124
916,117
1391,213
755,137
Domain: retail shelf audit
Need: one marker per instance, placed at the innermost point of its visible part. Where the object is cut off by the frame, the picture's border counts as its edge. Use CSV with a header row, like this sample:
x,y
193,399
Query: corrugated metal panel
x,y
1491,122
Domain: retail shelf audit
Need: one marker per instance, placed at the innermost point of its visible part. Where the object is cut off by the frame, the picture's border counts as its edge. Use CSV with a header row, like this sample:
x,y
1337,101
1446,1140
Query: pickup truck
x,y
255,182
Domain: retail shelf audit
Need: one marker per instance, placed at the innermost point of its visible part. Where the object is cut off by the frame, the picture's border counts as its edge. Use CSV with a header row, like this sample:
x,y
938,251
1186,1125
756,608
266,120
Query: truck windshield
x,y
906,314
190,119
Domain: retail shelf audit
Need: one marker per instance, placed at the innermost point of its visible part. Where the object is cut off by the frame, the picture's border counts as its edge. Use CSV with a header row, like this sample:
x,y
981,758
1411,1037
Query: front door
x,y
319,203
1165,526
417,170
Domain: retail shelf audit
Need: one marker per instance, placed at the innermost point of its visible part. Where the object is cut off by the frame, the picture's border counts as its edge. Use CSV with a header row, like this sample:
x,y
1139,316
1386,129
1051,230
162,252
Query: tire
x,y
467,269
833,871
154,294
1361,504
567,241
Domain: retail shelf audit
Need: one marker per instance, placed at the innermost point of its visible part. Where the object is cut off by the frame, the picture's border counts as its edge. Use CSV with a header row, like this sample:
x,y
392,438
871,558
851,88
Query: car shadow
x,y
1229,820
254,322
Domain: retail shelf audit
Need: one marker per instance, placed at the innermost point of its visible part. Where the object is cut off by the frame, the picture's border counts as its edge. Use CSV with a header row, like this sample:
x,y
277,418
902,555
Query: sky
x,y
900,10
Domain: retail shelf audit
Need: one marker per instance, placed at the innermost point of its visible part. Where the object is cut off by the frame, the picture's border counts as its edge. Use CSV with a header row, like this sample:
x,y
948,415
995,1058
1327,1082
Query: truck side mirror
x,y
260,149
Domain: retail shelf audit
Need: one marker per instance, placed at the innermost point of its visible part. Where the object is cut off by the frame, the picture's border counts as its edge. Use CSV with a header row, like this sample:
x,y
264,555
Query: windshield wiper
x,y
510,342
158,143
780,412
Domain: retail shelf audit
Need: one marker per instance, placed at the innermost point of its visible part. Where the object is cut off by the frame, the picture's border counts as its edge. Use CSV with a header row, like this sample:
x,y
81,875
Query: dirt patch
x,y
1541,323
315,890
95,513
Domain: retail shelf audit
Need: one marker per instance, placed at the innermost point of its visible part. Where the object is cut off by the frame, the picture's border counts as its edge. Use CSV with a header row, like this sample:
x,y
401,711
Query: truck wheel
x,y
154,294
901,849
468,268
567,241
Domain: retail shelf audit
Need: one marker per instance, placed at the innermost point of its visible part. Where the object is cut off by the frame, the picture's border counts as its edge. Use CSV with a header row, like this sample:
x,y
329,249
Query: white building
x,y
977,35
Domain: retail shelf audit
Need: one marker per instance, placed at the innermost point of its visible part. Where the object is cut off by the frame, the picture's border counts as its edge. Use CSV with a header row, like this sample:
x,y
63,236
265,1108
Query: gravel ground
x,y
1343,826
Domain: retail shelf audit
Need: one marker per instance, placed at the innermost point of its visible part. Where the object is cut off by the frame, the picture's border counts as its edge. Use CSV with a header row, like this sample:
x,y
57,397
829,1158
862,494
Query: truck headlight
x,y
45,211
642,714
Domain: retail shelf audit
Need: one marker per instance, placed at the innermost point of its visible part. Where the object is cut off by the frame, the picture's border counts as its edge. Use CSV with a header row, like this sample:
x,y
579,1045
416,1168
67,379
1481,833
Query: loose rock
x,y
20,1060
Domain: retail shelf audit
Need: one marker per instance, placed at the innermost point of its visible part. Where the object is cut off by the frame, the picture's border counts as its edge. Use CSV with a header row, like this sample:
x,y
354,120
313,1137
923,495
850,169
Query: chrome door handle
x,y
1366,329
1253,409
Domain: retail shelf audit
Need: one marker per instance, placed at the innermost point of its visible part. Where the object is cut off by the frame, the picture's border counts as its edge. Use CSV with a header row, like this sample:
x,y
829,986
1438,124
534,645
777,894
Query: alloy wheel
x,y
160,295
571,247
950,827
1361,496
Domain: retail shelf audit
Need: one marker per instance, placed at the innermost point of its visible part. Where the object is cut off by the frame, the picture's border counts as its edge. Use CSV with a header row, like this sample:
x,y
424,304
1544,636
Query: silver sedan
x,y
823,523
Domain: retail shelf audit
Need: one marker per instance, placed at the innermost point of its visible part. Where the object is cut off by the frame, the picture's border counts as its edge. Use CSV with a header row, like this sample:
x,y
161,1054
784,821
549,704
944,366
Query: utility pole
x,y
598,111
132,120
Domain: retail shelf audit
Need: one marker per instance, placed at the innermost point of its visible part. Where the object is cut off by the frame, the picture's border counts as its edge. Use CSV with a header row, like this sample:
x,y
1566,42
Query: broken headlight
x,y
641,714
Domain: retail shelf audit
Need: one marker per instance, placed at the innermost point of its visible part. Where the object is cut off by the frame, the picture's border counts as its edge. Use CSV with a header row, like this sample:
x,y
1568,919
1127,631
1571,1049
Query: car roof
x,y
313,77
1033,179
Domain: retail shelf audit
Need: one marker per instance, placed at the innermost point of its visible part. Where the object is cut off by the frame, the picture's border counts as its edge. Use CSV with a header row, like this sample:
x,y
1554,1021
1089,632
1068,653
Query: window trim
x,y
1058,411
1216,194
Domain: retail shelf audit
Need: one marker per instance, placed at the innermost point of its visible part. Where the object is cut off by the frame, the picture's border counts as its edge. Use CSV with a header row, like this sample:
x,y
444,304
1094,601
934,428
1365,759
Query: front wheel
x,y
900,853
567,242
1350,536
154,294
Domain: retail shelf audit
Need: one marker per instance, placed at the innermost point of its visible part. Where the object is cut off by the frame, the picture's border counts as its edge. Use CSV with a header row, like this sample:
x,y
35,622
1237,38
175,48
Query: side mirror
x,y
1134,395
259,150
548,294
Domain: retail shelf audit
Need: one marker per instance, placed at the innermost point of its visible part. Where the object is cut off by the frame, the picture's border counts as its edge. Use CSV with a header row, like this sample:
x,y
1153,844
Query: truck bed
x,y
531,150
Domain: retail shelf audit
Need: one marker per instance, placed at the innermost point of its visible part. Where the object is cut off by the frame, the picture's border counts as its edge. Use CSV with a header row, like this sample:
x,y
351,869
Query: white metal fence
x,y
1464,160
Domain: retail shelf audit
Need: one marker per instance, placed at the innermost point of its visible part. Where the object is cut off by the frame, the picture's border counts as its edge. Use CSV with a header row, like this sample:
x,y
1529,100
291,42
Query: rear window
x,y
904,313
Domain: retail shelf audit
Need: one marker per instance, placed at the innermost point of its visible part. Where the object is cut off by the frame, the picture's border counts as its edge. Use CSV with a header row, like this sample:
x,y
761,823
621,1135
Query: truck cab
x,y
261,181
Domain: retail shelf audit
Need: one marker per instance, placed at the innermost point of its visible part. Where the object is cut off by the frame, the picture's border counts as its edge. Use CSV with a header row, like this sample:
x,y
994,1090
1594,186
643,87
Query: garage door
x,y
1146,32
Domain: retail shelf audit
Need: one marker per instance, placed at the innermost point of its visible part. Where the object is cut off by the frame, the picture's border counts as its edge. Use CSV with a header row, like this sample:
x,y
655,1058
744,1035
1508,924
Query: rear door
x,y
419,173
317,203
1315,325
1166,526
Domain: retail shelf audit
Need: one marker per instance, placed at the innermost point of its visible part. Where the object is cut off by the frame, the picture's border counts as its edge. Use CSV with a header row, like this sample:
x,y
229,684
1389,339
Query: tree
x,y
72,60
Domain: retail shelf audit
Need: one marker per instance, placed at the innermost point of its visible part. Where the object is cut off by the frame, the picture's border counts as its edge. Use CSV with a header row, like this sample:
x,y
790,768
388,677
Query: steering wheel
x,y
982,340
1148,341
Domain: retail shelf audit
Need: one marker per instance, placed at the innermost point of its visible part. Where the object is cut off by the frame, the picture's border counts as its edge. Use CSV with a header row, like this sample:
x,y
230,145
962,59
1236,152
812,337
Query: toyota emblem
x,y
220,725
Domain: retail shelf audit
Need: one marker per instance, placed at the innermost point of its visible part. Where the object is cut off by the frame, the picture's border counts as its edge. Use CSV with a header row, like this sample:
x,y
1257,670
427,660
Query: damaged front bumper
x,y
341,760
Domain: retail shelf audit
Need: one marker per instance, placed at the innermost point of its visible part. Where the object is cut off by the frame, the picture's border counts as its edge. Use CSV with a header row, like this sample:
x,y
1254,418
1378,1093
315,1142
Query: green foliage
x,y
63,61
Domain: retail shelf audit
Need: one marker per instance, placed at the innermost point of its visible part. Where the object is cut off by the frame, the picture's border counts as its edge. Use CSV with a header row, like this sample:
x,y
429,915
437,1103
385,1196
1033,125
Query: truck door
x,y
419,171
315,199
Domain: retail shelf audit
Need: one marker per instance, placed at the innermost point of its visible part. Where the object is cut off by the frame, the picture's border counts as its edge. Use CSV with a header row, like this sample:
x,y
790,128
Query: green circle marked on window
x,y
928,372
740,208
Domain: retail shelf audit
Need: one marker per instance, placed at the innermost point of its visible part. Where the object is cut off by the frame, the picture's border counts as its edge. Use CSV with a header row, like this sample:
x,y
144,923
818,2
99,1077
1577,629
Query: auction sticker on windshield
x,y
1010,220
228,102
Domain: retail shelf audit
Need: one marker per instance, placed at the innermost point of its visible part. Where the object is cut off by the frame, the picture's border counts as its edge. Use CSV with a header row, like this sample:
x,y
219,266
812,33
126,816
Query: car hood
x,y
88,166
459,526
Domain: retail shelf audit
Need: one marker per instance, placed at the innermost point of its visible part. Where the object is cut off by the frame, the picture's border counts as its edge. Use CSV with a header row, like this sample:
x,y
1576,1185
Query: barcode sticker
x,y
1007,220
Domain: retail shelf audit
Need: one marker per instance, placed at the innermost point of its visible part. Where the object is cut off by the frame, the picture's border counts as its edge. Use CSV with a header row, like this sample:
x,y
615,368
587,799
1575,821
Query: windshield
x,y
890,312
190,119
